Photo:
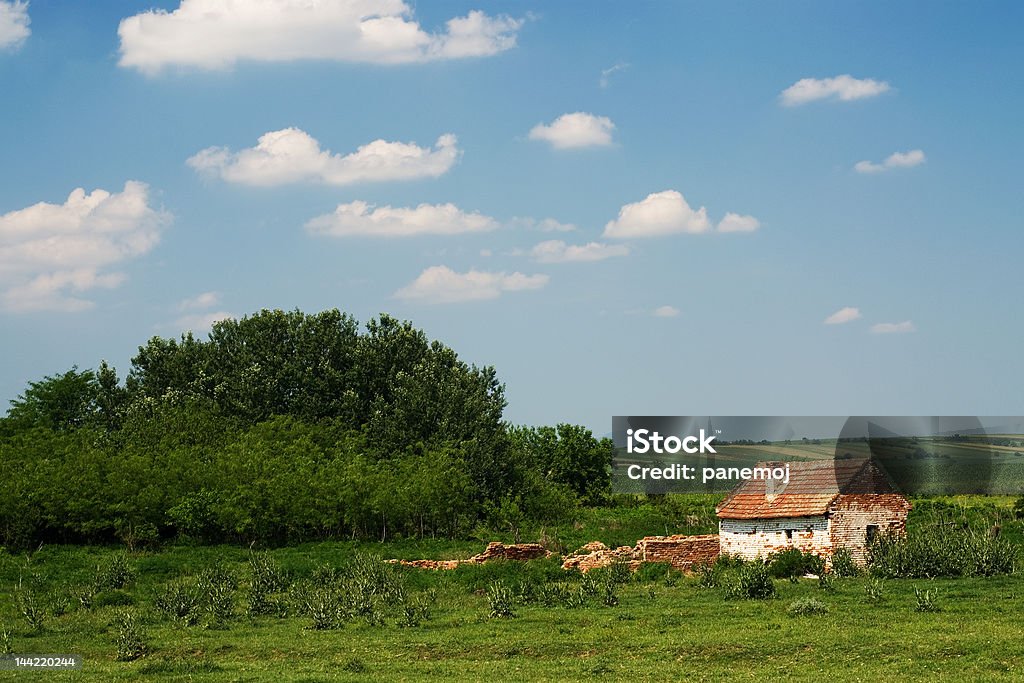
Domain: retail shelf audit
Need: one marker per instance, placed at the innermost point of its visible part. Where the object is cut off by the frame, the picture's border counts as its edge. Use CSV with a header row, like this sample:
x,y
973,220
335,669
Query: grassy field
x,y
664,627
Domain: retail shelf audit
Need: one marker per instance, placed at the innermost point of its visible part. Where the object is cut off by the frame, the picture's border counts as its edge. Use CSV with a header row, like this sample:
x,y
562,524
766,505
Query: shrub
x,y
874,590
60,603
934,552
752,582
807,607
413,613
115,573
130,639
843,564
179,601
708,574
927,599
6,642
827,582
86,595
30,608
501,601
794,562
267,575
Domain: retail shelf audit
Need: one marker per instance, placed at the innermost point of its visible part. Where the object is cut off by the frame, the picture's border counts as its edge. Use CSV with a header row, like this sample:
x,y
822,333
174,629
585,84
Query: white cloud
x,y
361,219
292,155
894,328
844,88
734,222
200,302
201,322
843,315
14,21
216,34
52,253
557,251
914,157
606,74
442,285
543,225
660,213
578,129
665,312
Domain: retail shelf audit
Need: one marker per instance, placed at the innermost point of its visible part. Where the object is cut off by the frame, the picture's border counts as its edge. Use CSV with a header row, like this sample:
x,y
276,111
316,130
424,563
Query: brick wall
x,y
851,515
682,552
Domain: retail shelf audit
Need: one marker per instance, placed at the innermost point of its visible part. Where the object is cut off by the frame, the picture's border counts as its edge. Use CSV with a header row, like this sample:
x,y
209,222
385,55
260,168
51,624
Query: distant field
x,y
665,627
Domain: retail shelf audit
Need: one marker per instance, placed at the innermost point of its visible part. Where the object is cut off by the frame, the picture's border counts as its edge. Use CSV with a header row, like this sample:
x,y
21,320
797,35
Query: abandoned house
x,y
826,505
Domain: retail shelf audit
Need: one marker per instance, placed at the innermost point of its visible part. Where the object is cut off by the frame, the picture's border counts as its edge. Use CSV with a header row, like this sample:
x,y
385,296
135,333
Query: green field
x,y
664,627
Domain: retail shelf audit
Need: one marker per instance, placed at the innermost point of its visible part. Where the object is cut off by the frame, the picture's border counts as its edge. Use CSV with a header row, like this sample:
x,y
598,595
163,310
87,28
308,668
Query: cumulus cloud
x,y
734,222
843,315
366,220
914,157
200,322
575,130
543,225
894,328
442,285
50,254
14,23
660,213
215,34
844,88
200,301
557,251
291,155
665,312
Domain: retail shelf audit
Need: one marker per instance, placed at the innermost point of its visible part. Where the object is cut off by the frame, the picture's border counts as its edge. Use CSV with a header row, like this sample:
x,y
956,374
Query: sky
x,y
661,208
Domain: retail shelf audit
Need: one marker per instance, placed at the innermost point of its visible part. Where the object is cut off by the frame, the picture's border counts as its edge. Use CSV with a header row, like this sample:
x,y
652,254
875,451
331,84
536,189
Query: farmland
x,y
665,626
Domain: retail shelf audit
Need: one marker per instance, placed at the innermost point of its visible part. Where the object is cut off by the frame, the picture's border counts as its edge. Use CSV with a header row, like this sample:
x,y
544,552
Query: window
x,y
872,533
789,535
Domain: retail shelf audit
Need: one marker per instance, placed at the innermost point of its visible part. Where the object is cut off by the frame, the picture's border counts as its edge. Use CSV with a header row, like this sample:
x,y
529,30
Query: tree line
x,y
280,427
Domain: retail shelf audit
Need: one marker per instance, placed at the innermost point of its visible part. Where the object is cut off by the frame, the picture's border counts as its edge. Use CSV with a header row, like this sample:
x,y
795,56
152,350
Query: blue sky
x,y
659,311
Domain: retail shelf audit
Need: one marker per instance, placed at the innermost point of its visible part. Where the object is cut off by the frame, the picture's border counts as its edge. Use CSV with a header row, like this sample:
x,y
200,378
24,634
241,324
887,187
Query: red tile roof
x,y
812,488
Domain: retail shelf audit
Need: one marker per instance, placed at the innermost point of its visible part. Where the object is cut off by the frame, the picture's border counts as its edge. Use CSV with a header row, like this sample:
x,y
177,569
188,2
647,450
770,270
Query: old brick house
x,y
825,506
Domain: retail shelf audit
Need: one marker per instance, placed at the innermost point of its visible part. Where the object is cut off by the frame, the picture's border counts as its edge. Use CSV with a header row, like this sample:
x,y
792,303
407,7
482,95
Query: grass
x,y
659,626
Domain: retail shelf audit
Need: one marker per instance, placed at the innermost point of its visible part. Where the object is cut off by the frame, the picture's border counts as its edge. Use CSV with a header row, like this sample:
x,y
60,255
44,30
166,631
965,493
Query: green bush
x,y
115,573
751,582
874,590
794,562
130,639
927,599
179,601
843,564
941,552
807,607
6,642
501,601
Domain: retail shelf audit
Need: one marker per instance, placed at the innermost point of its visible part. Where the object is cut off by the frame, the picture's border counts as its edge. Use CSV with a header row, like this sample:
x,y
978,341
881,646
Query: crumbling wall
x,y
853,514
595,555
495,550
682,552
758,538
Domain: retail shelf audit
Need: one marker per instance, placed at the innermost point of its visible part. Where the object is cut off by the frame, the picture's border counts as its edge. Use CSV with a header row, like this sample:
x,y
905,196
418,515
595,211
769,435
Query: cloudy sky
x,y
657,208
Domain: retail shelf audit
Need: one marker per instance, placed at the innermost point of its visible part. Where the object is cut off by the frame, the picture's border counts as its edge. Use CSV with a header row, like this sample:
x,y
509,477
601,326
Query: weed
x,y
179,601
843,564
115,573
807,607
130,639
874,590
501,601
927,599
753,582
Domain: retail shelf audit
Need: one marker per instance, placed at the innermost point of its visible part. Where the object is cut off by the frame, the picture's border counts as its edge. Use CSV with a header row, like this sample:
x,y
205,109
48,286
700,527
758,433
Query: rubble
x,y
495,550
681,551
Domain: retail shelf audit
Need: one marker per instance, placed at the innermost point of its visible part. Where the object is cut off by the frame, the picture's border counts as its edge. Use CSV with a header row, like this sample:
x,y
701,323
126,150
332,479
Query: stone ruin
x,y
495,551
680,551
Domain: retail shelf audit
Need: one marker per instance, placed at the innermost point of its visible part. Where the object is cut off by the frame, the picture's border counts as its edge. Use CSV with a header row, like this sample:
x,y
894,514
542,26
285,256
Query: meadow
x,y
333,611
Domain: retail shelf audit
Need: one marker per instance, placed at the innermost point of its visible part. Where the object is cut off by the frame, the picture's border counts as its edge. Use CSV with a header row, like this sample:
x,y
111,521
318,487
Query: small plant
x,y
843,564
501,601
413,613
575,599
589,584
526,592
86,595
267,574
114,574
6,642
827,582
60,603
708,575
324,608
610,599
874,590
181,602
29,607
807,607
753,582
552,595
220,604
927,599
130,639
